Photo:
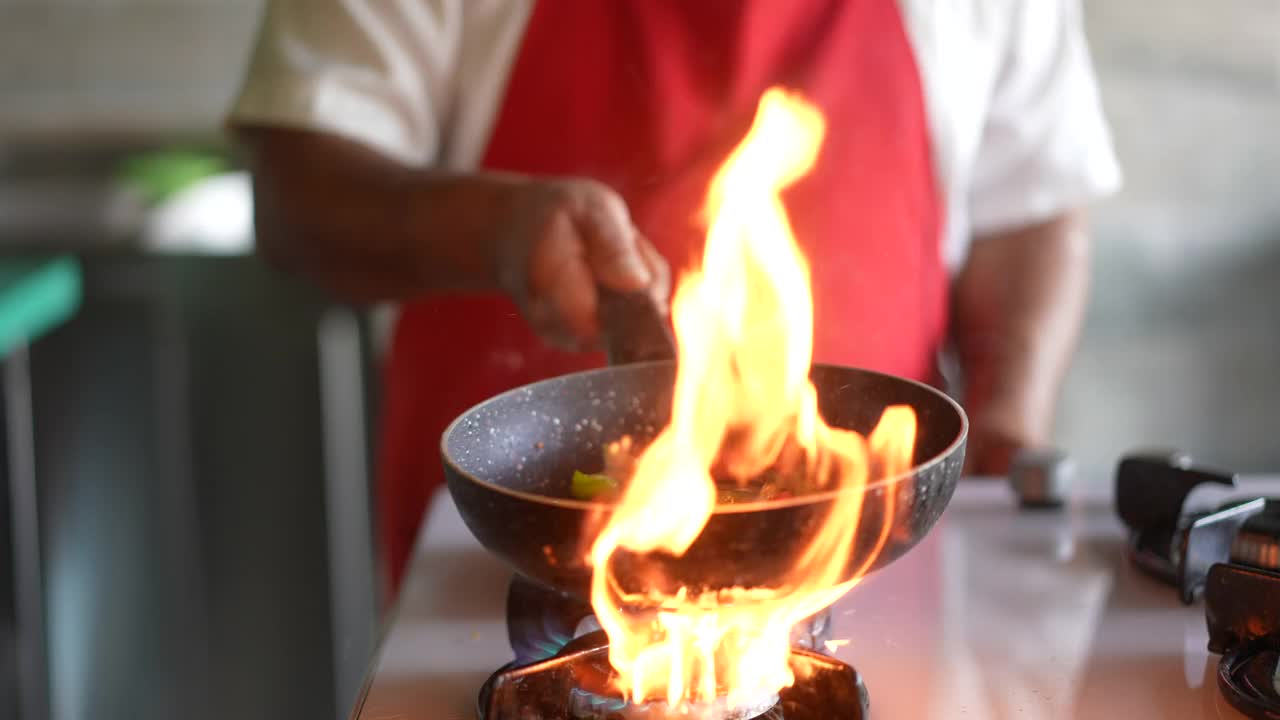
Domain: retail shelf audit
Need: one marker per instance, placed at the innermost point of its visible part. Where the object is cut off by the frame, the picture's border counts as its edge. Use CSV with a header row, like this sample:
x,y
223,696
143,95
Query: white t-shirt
x,y
1017,127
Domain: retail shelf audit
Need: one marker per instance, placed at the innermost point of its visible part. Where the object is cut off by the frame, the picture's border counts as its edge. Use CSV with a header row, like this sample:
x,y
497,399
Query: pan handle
x,y
635,329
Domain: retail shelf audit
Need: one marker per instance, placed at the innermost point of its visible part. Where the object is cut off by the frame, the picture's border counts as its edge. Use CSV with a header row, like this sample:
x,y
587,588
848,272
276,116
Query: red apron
x,y
649,96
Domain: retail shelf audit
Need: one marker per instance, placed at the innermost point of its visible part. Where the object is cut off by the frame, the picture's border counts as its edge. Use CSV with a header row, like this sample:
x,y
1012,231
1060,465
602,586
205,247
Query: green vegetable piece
x,y
587,486
157,176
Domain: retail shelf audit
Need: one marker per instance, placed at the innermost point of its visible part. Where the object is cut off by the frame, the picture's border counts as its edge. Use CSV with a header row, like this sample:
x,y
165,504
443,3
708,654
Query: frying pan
x,y
509,463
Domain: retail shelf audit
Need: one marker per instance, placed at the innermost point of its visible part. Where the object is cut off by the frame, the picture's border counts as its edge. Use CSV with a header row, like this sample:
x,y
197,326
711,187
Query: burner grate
x,y
1242,608
1249,677
575,685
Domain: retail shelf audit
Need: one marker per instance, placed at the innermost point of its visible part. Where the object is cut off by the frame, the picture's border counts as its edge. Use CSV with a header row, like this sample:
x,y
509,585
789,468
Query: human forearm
x,y
365,226
369,228
1019,302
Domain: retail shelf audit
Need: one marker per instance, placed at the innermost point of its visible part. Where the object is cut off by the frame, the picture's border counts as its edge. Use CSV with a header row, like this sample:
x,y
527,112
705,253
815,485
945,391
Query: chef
x,y
489,164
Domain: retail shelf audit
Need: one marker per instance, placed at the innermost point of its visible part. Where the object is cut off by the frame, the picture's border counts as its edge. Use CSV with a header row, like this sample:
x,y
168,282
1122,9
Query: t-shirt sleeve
x,y
1045,144
374,71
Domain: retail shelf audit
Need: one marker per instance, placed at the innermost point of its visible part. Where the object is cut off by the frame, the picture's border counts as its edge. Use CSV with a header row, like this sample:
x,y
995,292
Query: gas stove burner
x,y
1242,608
562,671
541,622
1178,545
576,684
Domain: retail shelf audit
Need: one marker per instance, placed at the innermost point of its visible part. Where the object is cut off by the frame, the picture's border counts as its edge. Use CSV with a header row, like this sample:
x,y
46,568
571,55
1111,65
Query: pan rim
x,y
753,506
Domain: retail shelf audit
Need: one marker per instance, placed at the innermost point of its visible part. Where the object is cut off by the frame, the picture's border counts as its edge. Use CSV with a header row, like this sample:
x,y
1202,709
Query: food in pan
x,y
619,463
599,487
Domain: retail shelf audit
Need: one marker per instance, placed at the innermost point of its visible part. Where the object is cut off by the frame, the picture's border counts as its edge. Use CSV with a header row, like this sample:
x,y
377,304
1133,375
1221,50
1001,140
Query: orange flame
x,y
744,324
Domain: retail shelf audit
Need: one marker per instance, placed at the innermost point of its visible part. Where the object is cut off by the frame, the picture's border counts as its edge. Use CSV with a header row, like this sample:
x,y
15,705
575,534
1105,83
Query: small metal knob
x,y
1041,478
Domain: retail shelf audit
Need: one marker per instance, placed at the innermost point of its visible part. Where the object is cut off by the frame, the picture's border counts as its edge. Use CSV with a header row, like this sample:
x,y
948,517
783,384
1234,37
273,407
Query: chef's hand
x,y
561,241
370,228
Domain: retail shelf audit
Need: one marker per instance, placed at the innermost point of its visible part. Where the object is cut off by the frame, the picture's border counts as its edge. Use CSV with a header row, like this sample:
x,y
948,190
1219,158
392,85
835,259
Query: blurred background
x,y
187,436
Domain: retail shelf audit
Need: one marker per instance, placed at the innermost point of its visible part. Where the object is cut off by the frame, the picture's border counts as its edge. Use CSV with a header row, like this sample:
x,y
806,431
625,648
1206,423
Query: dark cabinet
x,y
201,458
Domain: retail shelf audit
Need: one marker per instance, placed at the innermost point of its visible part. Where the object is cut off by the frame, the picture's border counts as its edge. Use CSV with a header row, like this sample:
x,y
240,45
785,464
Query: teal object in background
x,y
36,295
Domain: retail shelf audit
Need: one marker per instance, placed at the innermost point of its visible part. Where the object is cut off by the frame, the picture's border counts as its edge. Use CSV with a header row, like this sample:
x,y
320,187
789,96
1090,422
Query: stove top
x,y
999,613
1177,541
1228,552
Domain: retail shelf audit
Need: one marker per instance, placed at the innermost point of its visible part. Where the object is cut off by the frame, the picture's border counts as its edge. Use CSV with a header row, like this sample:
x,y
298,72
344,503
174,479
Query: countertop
x,y
998,613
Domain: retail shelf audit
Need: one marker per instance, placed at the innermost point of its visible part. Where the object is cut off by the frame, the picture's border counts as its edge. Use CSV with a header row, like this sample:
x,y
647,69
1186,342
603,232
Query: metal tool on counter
x,y
1041,478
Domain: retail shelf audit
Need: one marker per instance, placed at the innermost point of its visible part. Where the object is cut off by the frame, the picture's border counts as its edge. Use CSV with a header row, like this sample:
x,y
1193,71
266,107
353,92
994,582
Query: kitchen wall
x,y
120,66
1182,343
